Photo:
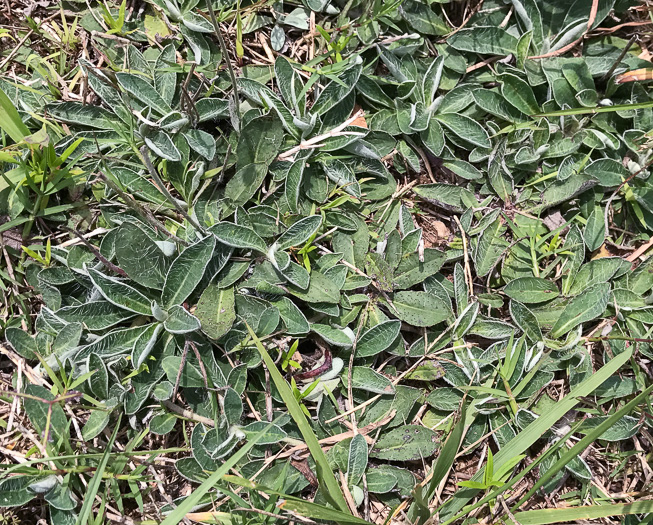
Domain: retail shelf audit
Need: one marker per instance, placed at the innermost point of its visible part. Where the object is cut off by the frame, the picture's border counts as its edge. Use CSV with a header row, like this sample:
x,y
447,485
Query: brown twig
x,y
19,361
205,376
188,414
332,440
348,497
620,26
562,50
619,58
146,214
485,62
96,252
315,141
473,11
23,40
227,60
74,242
641,250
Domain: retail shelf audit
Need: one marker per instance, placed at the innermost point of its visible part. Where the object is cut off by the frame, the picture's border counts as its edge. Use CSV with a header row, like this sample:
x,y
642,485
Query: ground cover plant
x,y
323,261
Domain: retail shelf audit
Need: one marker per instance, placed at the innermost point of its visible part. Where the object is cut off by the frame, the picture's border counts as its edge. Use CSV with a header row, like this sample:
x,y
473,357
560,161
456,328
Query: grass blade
x,y
590,512
6,469
520,443
325,476
515,479
419,511
307,509
180,512
585,442
10,120
593,111
319,512
94,485
447,455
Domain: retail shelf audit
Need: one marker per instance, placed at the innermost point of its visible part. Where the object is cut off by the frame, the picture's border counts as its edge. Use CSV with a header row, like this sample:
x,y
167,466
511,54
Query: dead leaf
x,y
305,470
11,237
603,251
434,232
554,220
155,28
360,121
636,75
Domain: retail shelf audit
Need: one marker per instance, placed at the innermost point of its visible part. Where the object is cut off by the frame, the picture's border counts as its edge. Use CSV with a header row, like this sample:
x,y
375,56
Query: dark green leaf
x,y
531,290
238,236
215,311
419,308
584,307
406,443
485,40
119,293
378,338
186,272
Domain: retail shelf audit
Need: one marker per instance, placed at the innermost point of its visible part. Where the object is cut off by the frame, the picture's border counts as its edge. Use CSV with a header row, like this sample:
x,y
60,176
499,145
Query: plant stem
x,y
619,58
164,190
27,229
618,338
225,54
96,252
144,213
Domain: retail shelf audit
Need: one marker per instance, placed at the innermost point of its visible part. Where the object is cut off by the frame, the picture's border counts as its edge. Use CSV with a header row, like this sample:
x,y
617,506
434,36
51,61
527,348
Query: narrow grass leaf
x,y
578,514
535,430
10,121
178,515
302,507
587,440
94,485
324,473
